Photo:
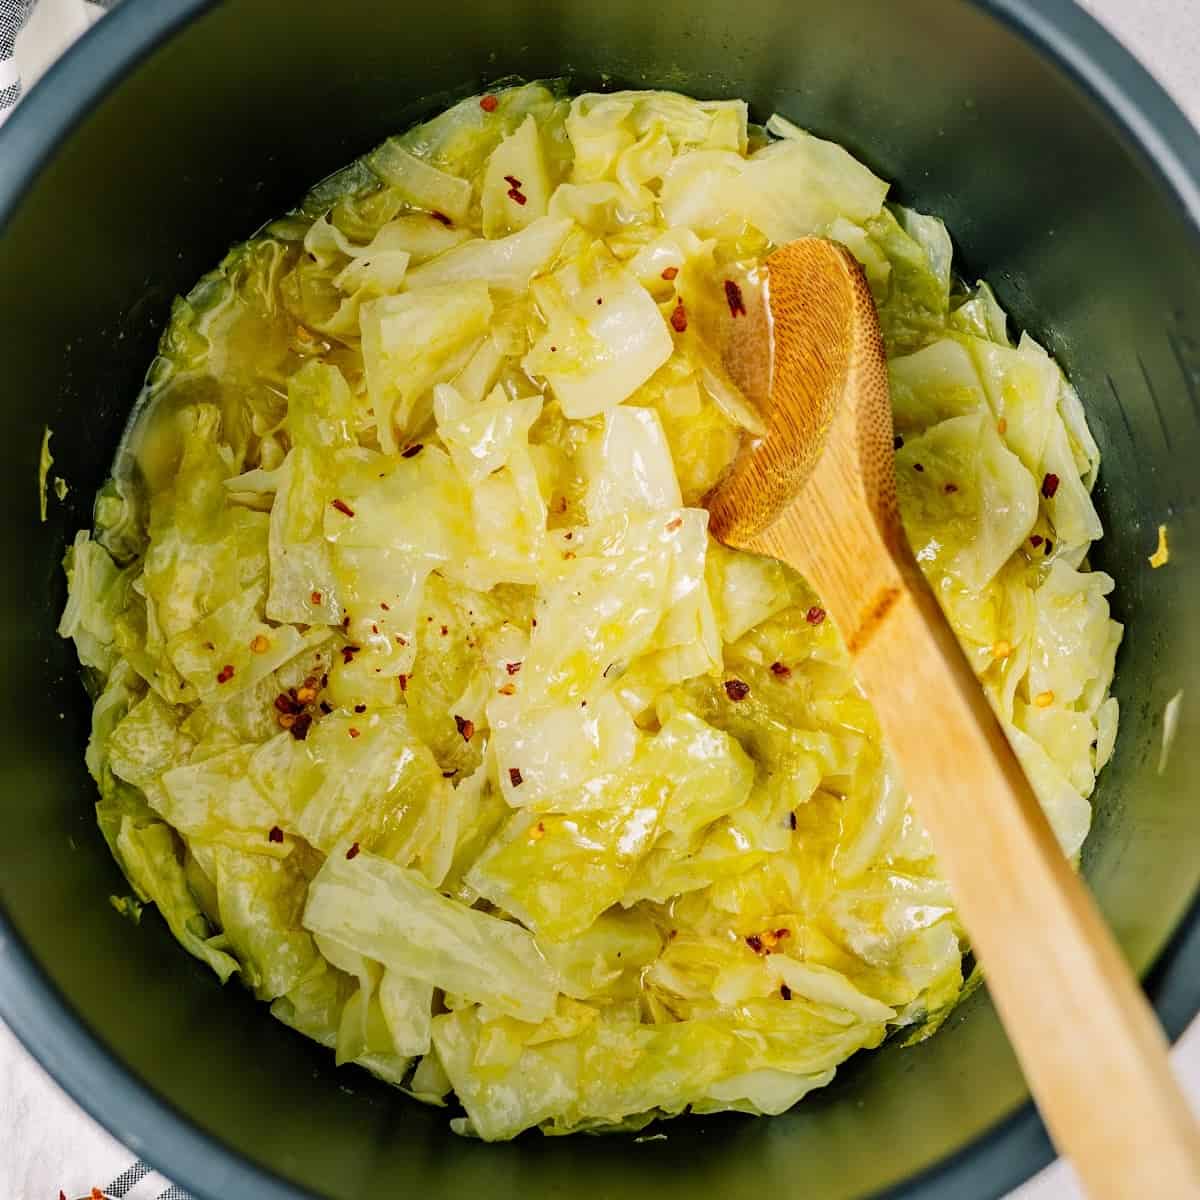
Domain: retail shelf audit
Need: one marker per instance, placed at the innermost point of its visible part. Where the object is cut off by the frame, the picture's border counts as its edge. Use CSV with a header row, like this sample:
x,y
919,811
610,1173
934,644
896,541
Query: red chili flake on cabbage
x,y
1036,540
276,834
733,297
920,470
736,690
785,991
287,704
465,727
815,615
343,508
353,851
348,653
325,708
755,943
403,683
385,606
512,668
488,103
515,194
674,524
950,488
777,668
354,732
360,708
679,318
315,597
514,777
669,273
441,216
413,450
897,442
1050,483
225,674
791,820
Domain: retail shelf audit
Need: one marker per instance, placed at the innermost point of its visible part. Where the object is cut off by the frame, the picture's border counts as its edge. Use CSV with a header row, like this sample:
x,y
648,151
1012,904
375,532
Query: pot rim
x,y
996,1161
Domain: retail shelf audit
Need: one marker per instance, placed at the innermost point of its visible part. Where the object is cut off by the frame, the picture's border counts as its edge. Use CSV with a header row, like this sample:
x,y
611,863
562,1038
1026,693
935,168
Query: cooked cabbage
x,y
426,704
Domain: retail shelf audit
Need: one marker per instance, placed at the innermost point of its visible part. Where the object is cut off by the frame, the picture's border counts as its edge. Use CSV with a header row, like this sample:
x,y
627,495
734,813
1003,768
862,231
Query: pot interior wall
x,y
224,126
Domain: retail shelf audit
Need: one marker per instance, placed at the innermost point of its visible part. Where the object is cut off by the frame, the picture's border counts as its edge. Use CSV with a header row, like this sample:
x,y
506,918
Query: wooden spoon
x,y
818,492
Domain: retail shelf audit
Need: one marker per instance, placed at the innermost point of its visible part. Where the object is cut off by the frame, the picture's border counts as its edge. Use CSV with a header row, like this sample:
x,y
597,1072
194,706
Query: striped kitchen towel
x,y
13,15
138,1182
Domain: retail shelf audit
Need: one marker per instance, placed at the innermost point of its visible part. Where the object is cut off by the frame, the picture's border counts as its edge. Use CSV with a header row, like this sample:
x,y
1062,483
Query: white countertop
x,y
46,1143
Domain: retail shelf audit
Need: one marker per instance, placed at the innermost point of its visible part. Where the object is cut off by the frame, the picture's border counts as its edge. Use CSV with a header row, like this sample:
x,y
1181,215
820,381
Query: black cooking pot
x,y
177,126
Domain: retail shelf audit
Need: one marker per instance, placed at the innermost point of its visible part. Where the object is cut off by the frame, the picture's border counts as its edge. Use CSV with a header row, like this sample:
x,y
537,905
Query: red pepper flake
x,y
736,690
733,297
325,707
441,216
791,820
512,181
815,615
450,774
780,934
276,835
488,103
599,299
413,450
950,489
507,690
785,991
514,777
353,851
445,630
897,442
354,732
374,627
674,525
209,646
360,708
679,318
1050,485
287,704
315,597
568,535
225,674
1049,546
403,683
343,508
777,668
755,943
385,606
465,727
515,194
348,653
512,668
670,273
920,470
1036,540
346,621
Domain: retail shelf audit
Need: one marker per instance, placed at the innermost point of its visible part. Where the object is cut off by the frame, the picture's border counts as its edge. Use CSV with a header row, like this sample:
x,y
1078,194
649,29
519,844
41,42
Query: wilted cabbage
x,y
426,704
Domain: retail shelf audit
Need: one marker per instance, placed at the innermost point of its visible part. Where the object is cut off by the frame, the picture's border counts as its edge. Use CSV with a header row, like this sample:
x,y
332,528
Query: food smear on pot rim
x,y
426,706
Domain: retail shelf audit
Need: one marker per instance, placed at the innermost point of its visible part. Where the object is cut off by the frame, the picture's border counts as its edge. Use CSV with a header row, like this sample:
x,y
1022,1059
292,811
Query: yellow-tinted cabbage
x,y
426,703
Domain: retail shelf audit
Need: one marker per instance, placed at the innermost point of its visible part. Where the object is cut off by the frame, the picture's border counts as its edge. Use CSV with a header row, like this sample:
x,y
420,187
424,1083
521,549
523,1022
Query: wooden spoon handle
x,y
1089,1043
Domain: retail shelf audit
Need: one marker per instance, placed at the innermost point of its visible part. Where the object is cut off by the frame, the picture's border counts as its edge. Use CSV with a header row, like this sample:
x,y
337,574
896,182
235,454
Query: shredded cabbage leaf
x,y
425,703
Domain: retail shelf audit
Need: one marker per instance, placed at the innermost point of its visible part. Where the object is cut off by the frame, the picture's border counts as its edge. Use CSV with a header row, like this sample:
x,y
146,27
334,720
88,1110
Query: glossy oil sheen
x,y
225,124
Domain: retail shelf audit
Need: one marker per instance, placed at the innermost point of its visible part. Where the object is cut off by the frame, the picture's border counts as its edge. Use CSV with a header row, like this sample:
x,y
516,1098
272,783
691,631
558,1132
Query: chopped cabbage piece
x,y
391,915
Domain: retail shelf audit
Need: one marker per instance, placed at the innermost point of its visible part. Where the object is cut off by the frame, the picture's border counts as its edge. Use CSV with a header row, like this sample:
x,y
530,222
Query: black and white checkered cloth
x,y
141,1182
13,14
